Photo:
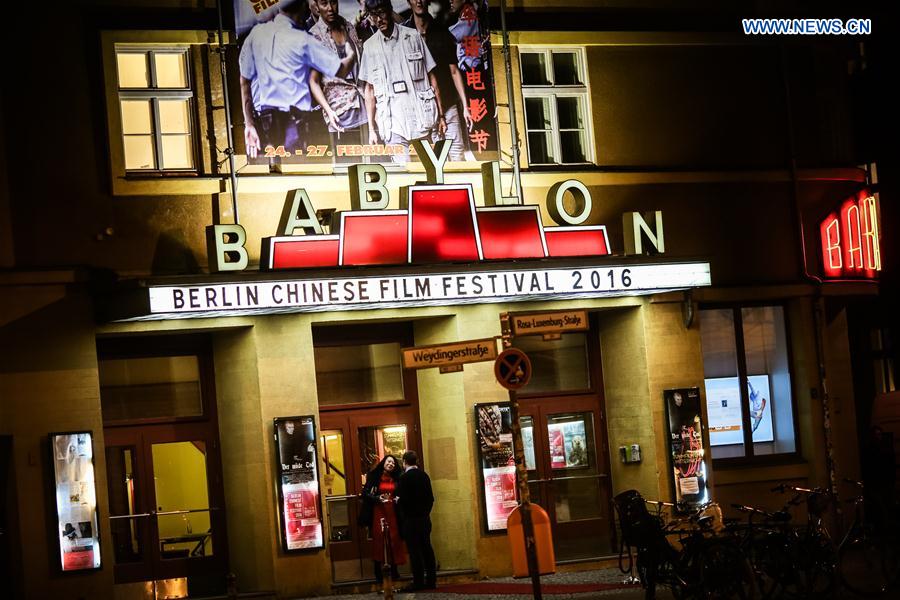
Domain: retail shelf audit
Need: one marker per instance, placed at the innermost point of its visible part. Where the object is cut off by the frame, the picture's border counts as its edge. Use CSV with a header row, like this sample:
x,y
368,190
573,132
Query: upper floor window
x,y
155,100
554,85
746,366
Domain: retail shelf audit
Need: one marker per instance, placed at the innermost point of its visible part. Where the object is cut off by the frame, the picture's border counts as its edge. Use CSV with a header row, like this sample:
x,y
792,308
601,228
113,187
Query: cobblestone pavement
x,y
583,577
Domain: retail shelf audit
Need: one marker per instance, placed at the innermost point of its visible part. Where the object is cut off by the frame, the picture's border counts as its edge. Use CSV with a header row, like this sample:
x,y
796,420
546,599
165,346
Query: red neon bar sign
x,y
851,239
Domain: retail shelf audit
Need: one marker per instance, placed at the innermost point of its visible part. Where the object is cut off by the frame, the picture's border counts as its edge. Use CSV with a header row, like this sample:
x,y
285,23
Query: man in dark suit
x,y
415,500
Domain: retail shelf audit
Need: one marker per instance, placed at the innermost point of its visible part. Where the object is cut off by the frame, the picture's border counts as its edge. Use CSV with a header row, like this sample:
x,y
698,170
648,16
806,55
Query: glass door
x,y
352,443
568,474
165,503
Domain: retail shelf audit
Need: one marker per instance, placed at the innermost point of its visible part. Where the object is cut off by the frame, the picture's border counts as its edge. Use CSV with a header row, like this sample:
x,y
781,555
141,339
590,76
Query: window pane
x,y
139,152
136,116
176,151
565,69
539,149
537,113
135,388
569,112
379,441
558,365
174,116
365,373
171,70
124,490
723,394
571,144
769,380
534,68
132,68
179,478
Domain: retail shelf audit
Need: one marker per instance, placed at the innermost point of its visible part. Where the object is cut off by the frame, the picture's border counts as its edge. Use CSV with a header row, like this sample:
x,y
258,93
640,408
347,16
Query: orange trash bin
x,y
543,541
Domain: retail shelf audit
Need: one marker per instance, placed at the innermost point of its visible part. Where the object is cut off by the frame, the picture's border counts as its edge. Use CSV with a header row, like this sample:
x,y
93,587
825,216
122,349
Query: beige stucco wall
x,y
49,383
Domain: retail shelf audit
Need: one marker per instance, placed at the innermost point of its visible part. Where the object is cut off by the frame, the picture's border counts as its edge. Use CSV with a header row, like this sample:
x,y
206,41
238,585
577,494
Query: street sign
x,y
549,323
449,357
512,369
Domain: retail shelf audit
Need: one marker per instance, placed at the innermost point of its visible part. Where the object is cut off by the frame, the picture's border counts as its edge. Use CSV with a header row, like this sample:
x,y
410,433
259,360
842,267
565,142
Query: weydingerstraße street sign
x,y
450,357
549,323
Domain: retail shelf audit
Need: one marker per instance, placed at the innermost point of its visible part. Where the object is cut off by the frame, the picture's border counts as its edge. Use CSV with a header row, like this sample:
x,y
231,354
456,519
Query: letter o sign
x,y
556,207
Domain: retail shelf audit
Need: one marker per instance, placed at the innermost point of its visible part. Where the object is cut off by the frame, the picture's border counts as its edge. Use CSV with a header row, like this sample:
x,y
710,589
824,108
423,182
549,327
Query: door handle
x,y
599,476
135,516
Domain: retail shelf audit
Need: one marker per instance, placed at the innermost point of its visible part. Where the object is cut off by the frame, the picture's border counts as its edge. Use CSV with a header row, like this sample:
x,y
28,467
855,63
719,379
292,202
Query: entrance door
x,y
352,442
165,499
568,473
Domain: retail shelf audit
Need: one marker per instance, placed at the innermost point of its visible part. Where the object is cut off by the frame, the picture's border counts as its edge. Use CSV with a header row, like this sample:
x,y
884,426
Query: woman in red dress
x,y
378,494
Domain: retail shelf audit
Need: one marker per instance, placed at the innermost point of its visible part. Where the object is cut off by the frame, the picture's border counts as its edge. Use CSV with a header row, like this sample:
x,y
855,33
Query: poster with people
x,y
301,515
498,465
567,445
687,456
352,81
76,500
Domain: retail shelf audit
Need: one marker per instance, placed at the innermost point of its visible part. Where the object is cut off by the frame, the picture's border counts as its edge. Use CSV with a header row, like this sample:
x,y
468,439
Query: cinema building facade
x,y
687,225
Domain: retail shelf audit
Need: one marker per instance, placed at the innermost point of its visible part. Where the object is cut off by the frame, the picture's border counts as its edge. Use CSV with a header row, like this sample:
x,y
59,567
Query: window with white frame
x,y
155,101
554,85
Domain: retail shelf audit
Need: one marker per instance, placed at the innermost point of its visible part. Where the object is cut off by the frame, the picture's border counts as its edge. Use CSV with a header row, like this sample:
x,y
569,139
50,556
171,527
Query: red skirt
x,y
387,511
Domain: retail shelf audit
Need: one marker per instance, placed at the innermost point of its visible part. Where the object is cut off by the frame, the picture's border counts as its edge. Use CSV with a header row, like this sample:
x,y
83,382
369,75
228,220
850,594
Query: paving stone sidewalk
x,y
582,577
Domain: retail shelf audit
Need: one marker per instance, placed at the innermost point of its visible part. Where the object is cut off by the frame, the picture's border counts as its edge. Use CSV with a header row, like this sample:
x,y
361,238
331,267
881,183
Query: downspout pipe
x,y
229,151
818,317
511,98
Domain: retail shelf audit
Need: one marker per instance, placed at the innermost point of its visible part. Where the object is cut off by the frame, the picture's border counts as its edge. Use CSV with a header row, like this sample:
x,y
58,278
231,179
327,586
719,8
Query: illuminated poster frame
x,y
75,490
493,435
297,483
687,455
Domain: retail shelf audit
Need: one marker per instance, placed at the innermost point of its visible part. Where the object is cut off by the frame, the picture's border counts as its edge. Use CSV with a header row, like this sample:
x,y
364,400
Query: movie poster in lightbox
x,y
77,528
687,455
298,483
498,466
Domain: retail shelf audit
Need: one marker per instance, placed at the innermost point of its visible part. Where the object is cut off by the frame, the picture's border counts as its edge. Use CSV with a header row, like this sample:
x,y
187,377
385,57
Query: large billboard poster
x,y
723,407
498,465
687,457
76,500
298,483
352,81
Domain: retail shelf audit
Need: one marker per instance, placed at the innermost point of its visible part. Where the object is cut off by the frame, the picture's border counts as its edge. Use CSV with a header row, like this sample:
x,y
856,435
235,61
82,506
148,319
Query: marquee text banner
x,y
472,287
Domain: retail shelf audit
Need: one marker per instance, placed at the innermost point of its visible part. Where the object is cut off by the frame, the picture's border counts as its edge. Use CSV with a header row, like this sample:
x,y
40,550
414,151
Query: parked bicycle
x,y
868,561
693,556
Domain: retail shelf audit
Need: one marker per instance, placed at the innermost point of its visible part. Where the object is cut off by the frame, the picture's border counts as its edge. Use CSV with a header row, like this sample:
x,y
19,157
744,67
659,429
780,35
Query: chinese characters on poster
x,y
76,501
350,81
298,483
498,465
686,447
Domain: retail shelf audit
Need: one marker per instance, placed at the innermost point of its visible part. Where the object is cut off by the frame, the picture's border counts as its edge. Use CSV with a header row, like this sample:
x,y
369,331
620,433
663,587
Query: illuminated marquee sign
x,y
851,239
436,223
317,294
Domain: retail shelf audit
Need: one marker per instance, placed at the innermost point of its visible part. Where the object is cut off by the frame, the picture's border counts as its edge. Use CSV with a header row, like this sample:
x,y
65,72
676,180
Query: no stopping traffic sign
x,y
512,369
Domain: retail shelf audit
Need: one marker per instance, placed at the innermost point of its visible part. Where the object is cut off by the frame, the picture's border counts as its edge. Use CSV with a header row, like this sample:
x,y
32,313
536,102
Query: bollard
x,y
386,577
231,590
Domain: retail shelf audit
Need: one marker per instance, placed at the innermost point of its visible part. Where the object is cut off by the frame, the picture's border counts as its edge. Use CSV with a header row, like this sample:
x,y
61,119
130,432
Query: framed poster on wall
x,y
686,453
300,510
77,532
493,430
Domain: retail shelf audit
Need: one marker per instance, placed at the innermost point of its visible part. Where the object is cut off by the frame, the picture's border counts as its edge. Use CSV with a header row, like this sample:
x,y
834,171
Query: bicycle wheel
x,y
815,563
725,572
771,563
866,566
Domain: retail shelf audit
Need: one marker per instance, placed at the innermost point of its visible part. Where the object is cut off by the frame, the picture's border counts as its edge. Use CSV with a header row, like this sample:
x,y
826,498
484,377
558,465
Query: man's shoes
x,y
430,585
415,587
